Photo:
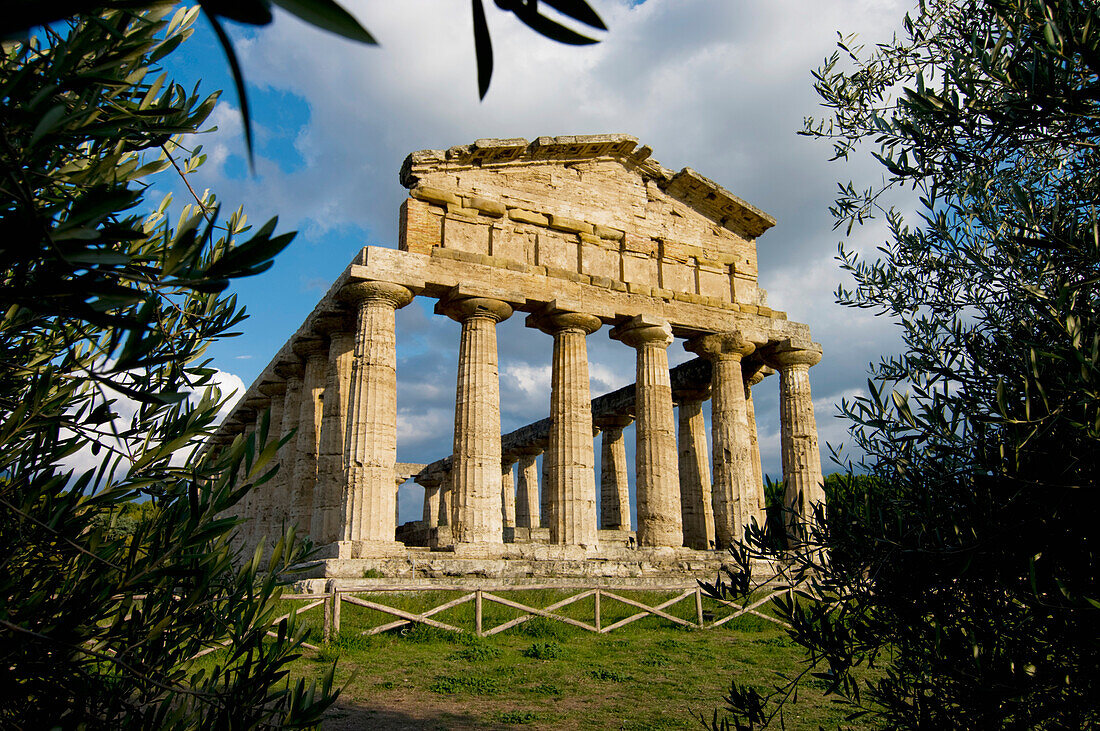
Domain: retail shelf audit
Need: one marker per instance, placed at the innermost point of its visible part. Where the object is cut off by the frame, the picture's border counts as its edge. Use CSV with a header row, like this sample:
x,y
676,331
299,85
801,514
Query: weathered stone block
x,y
609,233
524,216
713,281
639,269
506,242
677,275
600,260
561,223
462,234
435,195
554,250
744,289
496,209
462,211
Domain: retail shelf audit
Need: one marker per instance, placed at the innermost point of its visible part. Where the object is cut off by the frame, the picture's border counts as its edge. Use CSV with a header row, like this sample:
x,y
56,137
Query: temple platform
x,y
518,565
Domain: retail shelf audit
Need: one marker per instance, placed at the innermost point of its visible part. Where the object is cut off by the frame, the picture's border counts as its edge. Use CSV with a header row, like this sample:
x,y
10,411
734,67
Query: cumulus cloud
x,y
229,385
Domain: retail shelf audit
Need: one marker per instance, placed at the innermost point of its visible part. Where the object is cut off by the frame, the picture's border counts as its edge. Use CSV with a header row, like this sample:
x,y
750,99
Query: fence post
x,y
336,602
598,628
699,605
477,611
326,628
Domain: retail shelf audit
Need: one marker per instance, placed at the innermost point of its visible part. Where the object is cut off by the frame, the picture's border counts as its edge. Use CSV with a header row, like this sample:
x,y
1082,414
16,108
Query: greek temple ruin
x,y
578,233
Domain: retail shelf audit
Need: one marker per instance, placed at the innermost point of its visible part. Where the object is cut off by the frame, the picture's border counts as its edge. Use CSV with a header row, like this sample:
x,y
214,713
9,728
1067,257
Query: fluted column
x,y
445,516
328,495
369,501
527,490
310,411
247,504
271,491
798,427
285,497
431,500
614,490
476,469
733,494
508,491
656,469
695,501
569,461
759,373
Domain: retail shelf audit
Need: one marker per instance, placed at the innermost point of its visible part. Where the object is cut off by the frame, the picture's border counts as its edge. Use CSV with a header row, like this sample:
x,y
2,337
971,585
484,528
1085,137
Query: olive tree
x,y
107,303
952,582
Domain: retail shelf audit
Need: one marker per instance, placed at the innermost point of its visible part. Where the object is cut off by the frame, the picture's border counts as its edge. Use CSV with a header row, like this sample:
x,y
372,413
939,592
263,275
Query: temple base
x,y
524,563
345,550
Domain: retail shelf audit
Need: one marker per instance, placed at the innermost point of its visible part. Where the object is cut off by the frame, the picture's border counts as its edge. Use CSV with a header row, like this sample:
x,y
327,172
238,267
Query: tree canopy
x,y
107,308
963,567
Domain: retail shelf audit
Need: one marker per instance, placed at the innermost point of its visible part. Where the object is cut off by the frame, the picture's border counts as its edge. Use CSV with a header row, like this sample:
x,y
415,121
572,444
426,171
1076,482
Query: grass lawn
x,y
651,674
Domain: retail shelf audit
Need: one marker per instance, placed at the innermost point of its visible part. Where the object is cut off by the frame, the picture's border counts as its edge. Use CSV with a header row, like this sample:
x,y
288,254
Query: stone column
x,y
508,491
328,494
527,492
801,455
476,468
247,505
569,461
242,427
614,490
271,491
445,516
733,495
369,500
285,499
310,404
760,371
253,500
431,500
658,483
695,500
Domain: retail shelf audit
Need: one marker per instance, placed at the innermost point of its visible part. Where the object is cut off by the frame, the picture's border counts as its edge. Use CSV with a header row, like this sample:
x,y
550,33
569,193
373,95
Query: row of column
x,y
336,480
337,476
482,499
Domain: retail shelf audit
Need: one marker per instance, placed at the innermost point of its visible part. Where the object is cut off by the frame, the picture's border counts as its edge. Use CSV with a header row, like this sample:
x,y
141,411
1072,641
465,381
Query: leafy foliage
x,y
324,14
965,568
106,311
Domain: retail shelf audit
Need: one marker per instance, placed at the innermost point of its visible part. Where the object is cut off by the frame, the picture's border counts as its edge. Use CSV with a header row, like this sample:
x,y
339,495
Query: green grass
x,y
545,674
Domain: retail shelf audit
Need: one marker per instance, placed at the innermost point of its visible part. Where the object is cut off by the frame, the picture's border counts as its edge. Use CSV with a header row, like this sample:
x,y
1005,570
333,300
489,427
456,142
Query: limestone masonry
x,y
578,233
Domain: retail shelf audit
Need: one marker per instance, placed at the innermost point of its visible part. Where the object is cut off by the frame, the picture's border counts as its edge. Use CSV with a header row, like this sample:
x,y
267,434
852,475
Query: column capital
x,y
333,323
461,309
759,375
735,344
255,401
288,369
643,330
790,353
612,421
553,323
373,291
508,459
308,346
698,393
273,388
430,480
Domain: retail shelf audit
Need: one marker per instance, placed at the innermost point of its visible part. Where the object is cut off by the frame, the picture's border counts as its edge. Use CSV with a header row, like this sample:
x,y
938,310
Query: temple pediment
x,y
593,205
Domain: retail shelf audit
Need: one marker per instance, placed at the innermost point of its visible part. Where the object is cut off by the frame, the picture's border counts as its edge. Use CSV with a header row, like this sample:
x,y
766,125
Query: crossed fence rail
x,y
333,602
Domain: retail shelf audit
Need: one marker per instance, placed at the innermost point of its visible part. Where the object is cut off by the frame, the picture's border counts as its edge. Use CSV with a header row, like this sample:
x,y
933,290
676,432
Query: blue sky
x,y
718,85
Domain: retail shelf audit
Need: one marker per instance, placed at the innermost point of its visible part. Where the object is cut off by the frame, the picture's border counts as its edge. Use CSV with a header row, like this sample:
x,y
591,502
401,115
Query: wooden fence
x,y
334,600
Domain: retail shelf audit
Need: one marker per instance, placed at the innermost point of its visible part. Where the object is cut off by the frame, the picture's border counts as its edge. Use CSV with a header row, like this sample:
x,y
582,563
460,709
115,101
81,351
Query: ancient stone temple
x,y
576,233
